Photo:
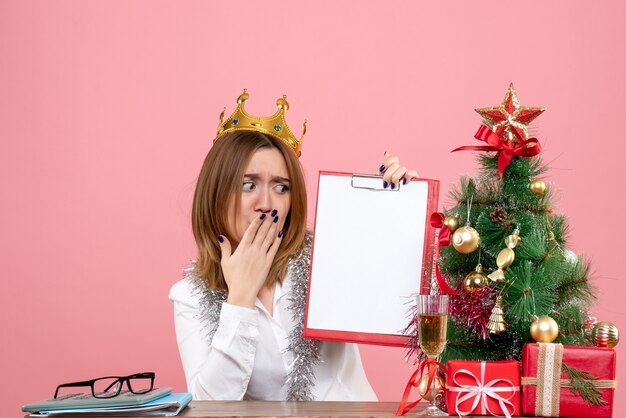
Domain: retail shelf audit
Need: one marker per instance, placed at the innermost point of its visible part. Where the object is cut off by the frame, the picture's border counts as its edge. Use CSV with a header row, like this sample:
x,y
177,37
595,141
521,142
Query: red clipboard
x,y
360,290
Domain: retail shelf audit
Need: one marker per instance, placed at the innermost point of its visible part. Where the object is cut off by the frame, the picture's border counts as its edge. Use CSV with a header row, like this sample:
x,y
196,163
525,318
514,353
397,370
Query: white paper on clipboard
x,y
370,255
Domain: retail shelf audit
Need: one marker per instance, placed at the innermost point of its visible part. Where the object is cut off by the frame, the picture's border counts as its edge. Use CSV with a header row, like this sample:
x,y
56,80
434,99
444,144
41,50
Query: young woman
x,y
239,311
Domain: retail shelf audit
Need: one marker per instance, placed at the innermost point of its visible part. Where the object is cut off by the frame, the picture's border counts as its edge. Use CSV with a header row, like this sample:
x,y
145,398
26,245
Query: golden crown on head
x,y
274,125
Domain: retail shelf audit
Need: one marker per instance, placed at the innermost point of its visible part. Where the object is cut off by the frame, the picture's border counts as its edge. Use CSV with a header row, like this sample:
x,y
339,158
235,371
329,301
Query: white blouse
x,y
248,357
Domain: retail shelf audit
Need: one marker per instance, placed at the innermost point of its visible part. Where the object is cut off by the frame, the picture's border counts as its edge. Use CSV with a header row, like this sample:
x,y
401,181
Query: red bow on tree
x,y
436,220
506,148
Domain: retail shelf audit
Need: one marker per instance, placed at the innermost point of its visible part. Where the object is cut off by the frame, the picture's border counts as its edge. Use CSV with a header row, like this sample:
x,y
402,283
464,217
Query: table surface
x,y
291,409
241,409
232,409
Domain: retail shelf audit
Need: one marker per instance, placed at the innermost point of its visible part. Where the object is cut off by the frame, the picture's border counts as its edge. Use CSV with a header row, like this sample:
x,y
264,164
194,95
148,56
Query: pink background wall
x,y
108,108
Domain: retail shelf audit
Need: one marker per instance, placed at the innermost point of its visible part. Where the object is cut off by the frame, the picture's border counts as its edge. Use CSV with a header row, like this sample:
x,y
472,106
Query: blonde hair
x,y
220,180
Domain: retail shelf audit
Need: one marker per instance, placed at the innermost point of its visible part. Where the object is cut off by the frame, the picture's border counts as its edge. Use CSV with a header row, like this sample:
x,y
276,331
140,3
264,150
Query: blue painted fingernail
x,y
220,238
276,219
382,167
393,186
274,212
403,181
385,184
280,234
262,216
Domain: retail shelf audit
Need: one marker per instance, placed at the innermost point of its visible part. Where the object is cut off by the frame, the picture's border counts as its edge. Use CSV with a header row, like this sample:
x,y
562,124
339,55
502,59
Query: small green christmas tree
x,y
506,199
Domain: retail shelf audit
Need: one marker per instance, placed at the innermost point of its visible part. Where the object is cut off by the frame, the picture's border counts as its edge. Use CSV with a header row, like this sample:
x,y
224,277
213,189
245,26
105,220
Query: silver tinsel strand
x,y
210,303
301,378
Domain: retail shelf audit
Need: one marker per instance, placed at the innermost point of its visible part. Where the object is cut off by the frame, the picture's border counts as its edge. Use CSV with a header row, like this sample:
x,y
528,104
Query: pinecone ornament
x,y
498,215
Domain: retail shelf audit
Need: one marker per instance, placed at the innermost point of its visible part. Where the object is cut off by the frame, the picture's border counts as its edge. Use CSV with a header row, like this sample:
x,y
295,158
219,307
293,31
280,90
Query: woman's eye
x,y
282,188
248,185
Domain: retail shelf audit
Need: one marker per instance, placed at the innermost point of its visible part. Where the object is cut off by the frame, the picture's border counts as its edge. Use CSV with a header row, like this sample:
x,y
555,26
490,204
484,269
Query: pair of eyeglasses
x,y
111,386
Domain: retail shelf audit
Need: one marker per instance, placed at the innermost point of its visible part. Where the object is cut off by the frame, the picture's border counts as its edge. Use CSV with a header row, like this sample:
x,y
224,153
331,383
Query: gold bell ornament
x,y
544,329
506,256
475,280
537,186
466,239
496,323
605,334
452,222
422,389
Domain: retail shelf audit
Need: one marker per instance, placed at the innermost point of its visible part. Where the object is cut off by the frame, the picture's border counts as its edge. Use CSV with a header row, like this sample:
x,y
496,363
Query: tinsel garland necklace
x,y
301,378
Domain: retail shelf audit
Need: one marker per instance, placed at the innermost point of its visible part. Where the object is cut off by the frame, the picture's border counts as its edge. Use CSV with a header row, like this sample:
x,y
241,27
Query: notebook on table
x,y
169,405
86,400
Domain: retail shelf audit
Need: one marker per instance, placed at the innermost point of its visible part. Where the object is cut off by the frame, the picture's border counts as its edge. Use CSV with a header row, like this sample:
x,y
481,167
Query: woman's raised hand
x,y
393,173
246,269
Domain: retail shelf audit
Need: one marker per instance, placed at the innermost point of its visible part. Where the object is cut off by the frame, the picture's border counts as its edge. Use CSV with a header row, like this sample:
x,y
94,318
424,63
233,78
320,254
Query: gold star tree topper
x,y
510,119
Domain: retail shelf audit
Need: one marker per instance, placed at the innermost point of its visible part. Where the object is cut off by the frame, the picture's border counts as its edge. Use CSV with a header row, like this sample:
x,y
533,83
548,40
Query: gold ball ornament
x,y
452,222
475,280
544,329
465,239
423,386
605,334
538,186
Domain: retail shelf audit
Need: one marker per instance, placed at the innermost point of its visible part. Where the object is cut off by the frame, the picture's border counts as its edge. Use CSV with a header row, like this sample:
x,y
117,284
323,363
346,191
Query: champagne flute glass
x,y
432,311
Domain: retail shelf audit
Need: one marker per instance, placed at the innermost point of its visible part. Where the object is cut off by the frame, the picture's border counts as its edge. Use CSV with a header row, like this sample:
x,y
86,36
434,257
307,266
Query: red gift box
x,y
483,387
546,389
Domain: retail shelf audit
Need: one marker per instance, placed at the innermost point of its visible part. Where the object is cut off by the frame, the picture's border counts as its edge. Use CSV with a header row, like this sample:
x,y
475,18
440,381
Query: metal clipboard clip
x,y
371,182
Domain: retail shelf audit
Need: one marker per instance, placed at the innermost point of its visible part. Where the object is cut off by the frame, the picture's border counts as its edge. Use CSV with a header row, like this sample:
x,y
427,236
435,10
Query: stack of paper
x,y
159,402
